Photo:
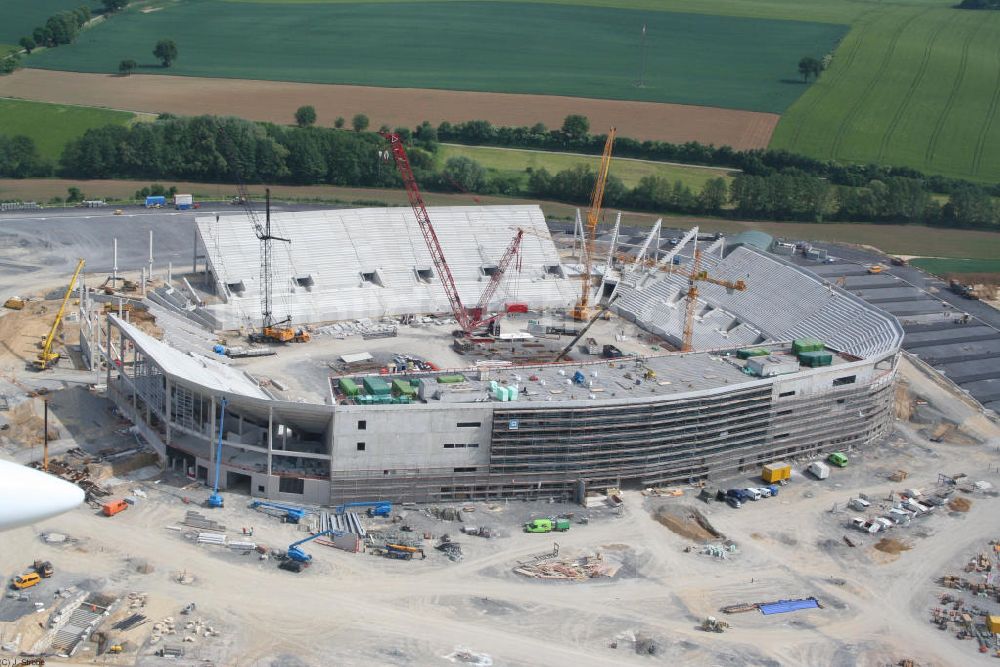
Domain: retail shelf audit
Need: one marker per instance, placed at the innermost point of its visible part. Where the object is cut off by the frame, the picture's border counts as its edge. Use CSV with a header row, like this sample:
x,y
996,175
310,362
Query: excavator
x,y
47,357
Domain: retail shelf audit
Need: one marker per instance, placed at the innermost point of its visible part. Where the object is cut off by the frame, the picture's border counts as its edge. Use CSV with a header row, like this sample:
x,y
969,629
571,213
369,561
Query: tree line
x,y
574,136
224,149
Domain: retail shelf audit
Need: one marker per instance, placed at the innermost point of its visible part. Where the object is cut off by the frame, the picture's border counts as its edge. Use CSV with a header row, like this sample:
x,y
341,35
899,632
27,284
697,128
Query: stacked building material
x,y
196,520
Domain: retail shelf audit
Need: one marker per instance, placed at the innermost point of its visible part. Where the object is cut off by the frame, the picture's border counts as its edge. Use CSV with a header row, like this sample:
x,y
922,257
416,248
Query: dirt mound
x,y
687,522
959,504
891,545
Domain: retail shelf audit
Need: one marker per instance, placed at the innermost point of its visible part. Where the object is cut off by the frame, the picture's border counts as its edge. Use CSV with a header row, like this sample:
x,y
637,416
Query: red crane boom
x,y
468,320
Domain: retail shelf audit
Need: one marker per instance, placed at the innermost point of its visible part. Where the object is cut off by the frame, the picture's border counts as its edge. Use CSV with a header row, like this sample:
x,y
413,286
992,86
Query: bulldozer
x,y
712,624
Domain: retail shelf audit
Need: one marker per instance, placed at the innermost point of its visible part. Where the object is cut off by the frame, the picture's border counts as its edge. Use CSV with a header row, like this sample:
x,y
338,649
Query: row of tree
x,y
574,136
216,149
61,28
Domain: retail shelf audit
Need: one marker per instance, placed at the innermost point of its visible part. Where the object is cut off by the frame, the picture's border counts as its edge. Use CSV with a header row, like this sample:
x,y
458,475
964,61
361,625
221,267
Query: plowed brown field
x,y
276,101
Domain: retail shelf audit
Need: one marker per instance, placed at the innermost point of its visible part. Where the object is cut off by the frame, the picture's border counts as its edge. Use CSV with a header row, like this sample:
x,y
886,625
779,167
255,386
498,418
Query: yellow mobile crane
x,y
47,356
581,311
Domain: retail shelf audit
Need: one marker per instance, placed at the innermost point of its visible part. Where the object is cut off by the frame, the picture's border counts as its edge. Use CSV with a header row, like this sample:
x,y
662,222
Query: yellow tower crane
x,y
581,311
47,356
695,276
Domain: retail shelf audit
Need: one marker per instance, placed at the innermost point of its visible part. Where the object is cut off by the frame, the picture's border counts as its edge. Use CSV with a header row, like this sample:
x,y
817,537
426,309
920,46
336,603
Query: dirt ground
x,y
276,101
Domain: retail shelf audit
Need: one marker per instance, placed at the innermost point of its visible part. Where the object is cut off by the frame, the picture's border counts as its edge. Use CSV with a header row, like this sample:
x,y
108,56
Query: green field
x,y
943,266
52,125
18,18
911,85
515,162
477,46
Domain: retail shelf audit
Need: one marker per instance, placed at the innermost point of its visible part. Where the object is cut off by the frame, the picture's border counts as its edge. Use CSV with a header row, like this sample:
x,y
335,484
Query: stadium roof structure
x,y
346,264
781,302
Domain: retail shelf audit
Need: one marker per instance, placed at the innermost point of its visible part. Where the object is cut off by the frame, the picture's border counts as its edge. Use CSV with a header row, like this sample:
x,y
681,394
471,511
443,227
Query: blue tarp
x,y
782,606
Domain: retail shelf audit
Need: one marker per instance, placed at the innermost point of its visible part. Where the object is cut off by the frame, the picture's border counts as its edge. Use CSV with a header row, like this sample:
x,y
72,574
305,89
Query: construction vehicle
x,y
14,303
47,357
819,469
898,261
375,507
26,580
712,624
113,507
838,459
581,311
403,552
547,526
287,513
875,269
471,320
215,500
43,568
601,310
298,555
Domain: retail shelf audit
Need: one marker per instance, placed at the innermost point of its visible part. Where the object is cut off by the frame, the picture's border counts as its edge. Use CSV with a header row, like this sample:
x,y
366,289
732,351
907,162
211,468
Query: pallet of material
x,y
196,520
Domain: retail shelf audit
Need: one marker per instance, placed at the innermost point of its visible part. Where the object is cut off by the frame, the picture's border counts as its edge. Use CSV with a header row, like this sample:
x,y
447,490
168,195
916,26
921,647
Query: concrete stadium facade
x,y
703,417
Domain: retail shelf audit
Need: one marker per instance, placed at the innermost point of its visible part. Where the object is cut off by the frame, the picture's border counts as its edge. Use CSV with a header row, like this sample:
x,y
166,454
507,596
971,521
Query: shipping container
x,y
376,386
183,202
402,388
156,201
451,379
800,345
776,472
816,359
349,387
993,624
747,352
766,367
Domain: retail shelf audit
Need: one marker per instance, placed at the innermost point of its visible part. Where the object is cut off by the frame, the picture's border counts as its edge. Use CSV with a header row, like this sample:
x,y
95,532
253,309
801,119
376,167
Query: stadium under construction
x,y
704,358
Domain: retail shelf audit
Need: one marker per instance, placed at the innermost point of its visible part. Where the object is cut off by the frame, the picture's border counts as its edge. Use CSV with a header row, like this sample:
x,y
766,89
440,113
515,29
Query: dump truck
x,y
26,580
838,459
113,507
546,525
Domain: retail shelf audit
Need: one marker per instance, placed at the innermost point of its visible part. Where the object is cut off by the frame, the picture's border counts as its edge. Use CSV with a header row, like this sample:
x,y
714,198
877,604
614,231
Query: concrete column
x,y
135,390
149,273
168,403
270,437
114,266
212,440
194,254
108,355
170,273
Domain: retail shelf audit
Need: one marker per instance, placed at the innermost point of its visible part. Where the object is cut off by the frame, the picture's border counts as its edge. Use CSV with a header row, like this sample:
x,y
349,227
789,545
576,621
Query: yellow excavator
x,y
47,357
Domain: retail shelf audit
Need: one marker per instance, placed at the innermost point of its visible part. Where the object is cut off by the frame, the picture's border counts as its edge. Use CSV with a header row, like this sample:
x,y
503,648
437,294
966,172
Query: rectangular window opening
x,y
371,278
361,446
424,275
362,424
468,424
847,379
786,394
292,485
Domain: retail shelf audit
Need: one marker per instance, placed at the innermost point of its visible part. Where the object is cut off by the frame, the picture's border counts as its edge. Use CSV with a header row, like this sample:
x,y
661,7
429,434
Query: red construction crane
x,y
469,320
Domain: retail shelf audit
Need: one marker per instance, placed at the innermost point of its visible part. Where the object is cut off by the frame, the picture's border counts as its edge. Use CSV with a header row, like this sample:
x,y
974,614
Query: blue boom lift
x,y
288,513
297,554
215,500
375,507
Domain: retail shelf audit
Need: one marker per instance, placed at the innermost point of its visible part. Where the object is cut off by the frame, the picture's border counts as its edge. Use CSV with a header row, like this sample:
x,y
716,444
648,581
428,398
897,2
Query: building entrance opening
x,y
238,482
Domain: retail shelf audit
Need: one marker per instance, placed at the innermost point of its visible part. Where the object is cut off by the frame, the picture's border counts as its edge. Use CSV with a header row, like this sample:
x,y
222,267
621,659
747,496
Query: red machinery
x,y
469,319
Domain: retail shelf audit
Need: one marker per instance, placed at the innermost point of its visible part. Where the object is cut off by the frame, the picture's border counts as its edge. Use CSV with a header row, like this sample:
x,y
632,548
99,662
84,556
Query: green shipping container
x,y
402,388
815,359
746,353
800,345
450,379
349,387
376,386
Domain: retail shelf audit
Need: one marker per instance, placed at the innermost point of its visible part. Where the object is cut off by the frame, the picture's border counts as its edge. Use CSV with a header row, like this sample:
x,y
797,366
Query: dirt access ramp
x,y
276,101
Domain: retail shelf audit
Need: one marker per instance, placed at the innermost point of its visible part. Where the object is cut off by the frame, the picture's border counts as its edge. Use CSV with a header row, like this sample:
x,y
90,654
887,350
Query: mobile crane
x,y
375,507
581,311
47,357
288,513
298,555
215,500
469,319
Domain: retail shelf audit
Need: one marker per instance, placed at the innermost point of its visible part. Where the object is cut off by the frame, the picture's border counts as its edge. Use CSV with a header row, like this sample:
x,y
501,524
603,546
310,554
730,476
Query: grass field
x,y
539,48
911,85
944,266
515,162
52,125
19,18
